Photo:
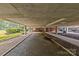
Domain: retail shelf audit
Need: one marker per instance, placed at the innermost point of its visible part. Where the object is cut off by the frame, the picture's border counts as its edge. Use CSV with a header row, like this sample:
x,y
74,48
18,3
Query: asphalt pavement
x,y
37,45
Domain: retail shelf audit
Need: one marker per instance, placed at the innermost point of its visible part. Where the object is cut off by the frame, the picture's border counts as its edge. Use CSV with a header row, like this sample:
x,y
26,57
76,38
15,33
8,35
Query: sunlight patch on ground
x,y
2,32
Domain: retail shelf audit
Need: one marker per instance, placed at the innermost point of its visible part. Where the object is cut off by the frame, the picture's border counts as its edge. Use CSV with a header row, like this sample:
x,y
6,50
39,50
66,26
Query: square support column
x,y
25,30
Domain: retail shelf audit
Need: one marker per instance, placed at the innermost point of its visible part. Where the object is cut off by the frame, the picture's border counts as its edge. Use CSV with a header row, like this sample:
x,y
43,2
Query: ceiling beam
x,y
16,9
52,23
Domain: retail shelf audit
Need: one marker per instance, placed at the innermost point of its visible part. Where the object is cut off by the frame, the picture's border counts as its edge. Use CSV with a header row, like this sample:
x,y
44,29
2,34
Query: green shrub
x,y
13,30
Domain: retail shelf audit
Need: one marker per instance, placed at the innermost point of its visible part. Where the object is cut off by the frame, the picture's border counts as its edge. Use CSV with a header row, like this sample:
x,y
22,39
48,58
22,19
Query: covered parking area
x,y
40,16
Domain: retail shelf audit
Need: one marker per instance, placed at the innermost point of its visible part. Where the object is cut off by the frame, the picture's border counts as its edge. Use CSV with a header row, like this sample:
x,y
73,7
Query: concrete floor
x,y
37,45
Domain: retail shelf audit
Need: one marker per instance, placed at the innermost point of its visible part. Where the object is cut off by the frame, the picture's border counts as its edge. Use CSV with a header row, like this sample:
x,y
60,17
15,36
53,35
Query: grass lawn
x,y
4,36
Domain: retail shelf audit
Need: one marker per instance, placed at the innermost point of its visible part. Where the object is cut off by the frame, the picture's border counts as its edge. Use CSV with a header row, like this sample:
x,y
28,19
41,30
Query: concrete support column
x,y
56,29
25,29
44,29
67,30
48,29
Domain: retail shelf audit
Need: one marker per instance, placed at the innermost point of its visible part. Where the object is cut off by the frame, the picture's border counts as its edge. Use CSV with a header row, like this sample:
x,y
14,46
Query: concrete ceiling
x,y
37,14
